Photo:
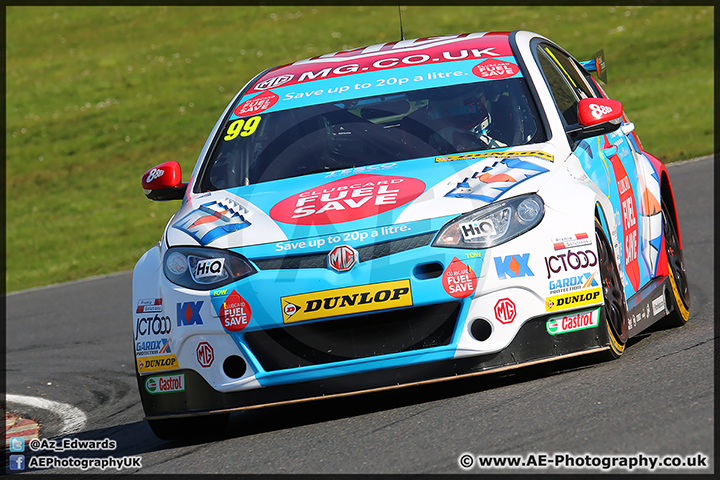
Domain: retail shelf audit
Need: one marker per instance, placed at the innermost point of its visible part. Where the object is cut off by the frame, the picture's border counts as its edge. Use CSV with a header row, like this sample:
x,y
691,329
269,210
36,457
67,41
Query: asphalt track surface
x,y
72,343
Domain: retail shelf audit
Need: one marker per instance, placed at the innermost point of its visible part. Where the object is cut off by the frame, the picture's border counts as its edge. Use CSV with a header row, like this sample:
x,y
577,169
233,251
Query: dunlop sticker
x,y
343,301
157,363
573,300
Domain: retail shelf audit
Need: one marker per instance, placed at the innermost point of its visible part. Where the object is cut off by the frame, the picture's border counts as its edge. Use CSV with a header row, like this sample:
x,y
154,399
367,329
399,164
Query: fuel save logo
x,y
347,199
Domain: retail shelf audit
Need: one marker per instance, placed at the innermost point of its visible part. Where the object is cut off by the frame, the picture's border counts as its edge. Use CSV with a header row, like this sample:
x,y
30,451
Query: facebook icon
x,y
17,462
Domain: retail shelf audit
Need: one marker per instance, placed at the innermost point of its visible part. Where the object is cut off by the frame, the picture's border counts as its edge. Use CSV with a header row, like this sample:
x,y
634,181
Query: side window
x,y
569,70
565,98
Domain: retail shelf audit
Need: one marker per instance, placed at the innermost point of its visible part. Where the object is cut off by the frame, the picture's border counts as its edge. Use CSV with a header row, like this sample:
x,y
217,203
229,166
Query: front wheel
x,y
615,307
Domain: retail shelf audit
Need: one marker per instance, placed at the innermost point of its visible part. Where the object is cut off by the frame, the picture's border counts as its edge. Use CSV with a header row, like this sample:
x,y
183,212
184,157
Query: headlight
x,y
492,224
204,268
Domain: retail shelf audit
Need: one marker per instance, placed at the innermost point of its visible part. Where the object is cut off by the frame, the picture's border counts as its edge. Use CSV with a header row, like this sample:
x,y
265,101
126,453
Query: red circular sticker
x,y
235,312
348,199
495,69
459,280
259,103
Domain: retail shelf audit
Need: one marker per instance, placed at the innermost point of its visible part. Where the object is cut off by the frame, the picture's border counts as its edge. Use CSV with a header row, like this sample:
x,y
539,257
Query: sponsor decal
x,y
658,305
207,268
373,58
347,199
153,347
157,363
505,311
629,219
495,179
273,82
188,313
205,354
570,284
343,301
459,280
149,305
571,260
342,258
573,322
571,241
156,325
153,174
257,104
235,312
474,230
574,300
495,69
214,220
513,266
482,155
165,384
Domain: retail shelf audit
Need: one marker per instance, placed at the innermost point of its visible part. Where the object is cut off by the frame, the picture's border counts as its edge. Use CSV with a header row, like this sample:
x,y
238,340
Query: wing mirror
x,y
597,116
164,182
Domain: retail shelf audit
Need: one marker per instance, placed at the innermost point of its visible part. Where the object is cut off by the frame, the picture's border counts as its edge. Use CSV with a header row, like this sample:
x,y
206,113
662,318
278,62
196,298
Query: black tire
x,y
615,307
190,427
678,300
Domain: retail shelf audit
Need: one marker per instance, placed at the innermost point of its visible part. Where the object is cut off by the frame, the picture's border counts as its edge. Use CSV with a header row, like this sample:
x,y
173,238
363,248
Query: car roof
x,y
387,56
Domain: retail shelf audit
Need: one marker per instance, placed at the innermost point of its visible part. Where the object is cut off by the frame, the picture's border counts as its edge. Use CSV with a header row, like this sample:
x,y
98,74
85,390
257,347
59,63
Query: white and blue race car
x,y
398,214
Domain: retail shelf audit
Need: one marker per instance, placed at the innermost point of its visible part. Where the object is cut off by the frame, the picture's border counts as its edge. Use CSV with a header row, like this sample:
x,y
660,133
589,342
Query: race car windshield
x,y
372,130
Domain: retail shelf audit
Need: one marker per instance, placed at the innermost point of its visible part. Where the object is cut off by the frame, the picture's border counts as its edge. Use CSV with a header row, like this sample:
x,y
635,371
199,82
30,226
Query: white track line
x,y
73,418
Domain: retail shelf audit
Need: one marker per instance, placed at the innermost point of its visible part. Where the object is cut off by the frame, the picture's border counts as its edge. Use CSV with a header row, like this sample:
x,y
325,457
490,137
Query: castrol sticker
x,y
459,280
257,104
573,322
347,199
235,312
495,69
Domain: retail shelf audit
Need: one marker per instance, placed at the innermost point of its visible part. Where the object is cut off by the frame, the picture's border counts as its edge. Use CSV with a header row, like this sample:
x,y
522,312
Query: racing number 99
x,y
242,127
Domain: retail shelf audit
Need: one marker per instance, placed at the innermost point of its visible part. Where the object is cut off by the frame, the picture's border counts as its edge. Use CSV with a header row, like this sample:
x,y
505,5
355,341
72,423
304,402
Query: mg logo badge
x,y
342,258
273,82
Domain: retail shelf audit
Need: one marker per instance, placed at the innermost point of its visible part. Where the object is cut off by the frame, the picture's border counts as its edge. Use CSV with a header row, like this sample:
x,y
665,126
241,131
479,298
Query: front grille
x,y
354,337
370,252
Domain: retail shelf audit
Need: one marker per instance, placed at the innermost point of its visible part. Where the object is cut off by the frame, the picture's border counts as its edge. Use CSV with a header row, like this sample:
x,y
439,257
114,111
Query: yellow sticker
x,y
343,301
242,127
157,363
577,299
476,156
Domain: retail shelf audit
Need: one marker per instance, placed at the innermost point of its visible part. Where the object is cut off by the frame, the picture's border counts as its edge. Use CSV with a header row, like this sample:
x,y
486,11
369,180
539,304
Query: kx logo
x,y
513,266
188,313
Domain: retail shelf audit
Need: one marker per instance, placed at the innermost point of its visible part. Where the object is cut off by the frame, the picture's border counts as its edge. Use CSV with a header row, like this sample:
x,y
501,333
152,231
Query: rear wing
x,y
597,65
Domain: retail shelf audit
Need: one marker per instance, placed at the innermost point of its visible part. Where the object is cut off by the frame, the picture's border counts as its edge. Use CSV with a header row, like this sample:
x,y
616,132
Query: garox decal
x,y
505,311
158,363
573,322
495,69
165,384
574,300
153,347
572,260
342,258
342,301
570,284
214,220
235,312
156,325
459,280
348,199
149,305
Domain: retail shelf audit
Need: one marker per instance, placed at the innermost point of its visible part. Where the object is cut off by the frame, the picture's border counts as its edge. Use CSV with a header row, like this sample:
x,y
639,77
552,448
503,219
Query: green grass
x,y
97,95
